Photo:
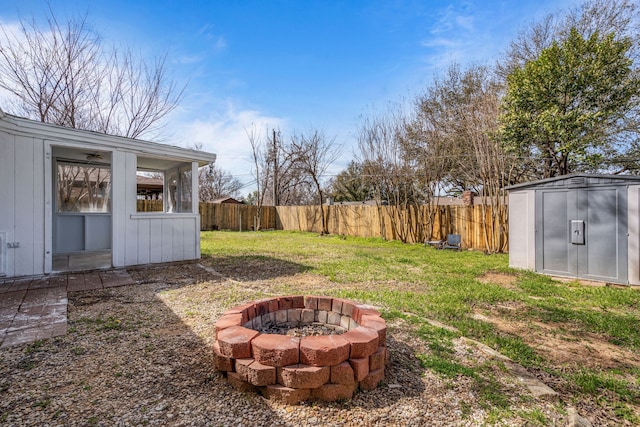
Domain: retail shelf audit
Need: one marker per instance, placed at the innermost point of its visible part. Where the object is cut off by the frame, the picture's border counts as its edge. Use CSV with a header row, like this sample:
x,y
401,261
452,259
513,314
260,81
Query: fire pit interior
x,y
295,348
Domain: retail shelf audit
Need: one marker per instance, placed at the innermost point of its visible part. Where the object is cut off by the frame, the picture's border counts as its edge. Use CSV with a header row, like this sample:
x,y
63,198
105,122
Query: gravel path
x,y
140,355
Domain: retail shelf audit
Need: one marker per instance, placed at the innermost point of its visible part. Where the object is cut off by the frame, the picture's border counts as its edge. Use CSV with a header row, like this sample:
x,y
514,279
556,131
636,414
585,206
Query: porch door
x,y
582,233
82,211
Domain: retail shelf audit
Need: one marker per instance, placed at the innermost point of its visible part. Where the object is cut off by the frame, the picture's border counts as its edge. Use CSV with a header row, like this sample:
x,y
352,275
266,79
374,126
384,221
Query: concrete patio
x,y
35,308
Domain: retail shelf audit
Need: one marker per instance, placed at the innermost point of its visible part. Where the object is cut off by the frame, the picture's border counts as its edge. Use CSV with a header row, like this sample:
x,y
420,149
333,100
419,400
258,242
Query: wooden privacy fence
x,y
222,216
149,205
227,216
413,224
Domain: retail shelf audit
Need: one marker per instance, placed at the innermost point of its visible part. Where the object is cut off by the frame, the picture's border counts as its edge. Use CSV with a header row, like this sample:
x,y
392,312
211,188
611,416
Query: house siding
x,y
26,194
7,197
22,202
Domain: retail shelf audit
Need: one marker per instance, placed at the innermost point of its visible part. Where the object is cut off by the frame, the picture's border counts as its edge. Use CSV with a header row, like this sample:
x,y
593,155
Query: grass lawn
x,y
583,341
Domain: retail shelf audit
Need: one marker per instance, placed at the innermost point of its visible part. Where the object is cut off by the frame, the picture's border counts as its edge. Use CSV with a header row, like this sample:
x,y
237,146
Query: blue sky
x,y
295,65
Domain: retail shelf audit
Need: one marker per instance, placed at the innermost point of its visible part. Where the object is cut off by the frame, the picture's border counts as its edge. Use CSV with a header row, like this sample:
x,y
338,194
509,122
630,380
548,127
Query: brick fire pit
x,y
291,369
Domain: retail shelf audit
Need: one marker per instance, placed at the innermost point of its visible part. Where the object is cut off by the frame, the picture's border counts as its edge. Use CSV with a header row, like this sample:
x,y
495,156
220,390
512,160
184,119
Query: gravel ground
x,y
141,355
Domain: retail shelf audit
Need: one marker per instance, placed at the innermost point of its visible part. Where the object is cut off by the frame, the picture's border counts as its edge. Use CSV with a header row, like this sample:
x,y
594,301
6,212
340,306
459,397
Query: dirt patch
x,y
249,268
559,345
503,279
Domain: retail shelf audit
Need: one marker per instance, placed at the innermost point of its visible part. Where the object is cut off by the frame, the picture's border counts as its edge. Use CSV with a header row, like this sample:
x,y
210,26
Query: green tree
x,y
574,108
350,185
251,198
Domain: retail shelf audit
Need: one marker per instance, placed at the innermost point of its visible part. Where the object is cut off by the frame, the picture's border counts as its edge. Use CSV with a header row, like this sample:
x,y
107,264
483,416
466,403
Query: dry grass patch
x,y
503,279
562,345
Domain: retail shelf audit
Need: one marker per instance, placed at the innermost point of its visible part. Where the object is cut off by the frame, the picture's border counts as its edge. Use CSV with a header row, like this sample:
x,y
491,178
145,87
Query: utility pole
x,y
276,199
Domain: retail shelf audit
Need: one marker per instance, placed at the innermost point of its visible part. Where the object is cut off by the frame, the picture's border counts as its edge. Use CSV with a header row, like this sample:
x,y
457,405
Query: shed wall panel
x,y
29,207
605,223
40,207
118,207
554,208
155,241
144,241
7,195
189,238
194,252
47,213
167,239
3,253
522,230
131,226
633,243
25,205
178,243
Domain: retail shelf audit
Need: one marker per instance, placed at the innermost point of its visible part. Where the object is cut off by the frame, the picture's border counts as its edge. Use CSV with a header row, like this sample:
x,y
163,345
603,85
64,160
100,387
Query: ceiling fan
x,y
94,156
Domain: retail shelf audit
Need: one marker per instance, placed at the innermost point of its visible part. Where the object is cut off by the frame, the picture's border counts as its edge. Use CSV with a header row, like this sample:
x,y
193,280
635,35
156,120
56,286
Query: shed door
x,y
582,233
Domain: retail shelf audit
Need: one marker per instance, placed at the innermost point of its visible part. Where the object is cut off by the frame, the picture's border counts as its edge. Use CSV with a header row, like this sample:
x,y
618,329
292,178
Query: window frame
x,y
106,196
177,191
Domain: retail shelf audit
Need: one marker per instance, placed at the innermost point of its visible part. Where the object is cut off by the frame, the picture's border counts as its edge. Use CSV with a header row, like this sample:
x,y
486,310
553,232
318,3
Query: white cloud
x,y
218,42
452,20
465,22
475,32
190,59
12,32
453,37
225,134
441,42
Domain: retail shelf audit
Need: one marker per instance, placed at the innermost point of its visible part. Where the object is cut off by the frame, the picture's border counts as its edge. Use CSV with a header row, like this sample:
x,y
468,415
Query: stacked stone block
x,y
292,369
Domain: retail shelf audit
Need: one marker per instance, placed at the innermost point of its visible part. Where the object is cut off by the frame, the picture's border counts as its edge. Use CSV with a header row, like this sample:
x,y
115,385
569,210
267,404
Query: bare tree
x,y
391,171
448,143
214,183
312,154
438,135
287,185
83,188
261,172
61,73
478,118
456,135
438,149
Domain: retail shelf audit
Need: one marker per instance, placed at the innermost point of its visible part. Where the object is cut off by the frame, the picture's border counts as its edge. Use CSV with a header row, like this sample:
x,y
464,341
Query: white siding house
x,y
70,192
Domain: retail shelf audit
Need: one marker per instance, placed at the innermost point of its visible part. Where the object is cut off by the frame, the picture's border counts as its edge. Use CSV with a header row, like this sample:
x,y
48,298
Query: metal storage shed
x,y
580,225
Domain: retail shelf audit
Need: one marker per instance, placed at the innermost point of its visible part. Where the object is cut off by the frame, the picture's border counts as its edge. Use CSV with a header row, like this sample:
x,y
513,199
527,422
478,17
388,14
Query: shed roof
x,y
227,200
577,180
97,140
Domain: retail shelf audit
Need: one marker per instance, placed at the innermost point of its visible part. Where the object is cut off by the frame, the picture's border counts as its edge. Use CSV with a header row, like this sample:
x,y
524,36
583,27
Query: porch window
x,y
163,186
179,189
149,191
83,188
